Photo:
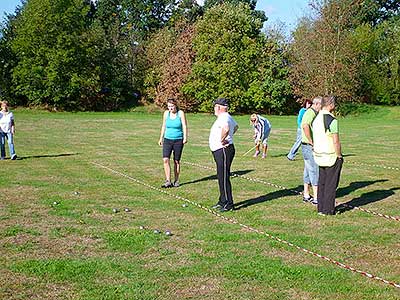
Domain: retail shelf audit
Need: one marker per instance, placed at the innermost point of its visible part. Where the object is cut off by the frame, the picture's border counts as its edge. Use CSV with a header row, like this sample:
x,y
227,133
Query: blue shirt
x,y
173,127
300,116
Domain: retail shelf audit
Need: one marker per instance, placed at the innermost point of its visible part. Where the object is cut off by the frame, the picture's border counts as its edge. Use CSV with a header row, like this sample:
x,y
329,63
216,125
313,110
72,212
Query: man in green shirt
x,y
328,155
310,177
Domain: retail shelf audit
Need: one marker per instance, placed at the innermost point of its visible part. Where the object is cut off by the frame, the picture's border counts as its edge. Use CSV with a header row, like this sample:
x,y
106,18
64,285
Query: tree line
x,y
116,54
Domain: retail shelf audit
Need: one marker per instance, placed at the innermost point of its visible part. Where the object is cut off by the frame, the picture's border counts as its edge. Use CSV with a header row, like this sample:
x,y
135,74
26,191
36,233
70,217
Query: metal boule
x,y
115,210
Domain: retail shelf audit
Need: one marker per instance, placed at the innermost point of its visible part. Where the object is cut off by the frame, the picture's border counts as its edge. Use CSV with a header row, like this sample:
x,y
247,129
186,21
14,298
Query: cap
x,y
221,101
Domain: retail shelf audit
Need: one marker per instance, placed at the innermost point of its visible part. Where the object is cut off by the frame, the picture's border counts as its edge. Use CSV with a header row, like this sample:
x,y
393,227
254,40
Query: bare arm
x,y
12,126
224,134
337,145
184,127
307,132
160,141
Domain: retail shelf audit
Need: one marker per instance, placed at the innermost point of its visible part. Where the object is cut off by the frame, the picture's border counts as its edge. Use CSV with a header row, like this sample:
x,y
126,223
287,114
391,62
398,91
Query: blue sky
x,y
286,11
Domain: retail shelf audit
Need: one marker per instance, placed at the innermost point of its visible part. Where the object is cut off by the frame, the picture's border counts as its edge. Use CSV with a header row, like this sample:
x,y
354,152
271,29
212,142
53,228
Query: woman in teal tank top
x,y
172,138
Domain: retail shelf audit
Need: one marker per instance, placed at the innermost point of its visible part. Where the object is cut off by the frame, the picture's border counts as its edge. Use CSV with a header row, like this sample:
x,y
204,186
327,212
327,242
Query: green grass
x,y
60,239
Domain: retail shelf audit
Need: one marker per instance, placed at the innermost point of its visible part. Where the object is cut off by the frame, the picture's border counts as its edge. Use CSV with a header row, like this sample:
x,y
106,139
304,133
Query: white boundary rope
x,y
376,166
233,221
296,192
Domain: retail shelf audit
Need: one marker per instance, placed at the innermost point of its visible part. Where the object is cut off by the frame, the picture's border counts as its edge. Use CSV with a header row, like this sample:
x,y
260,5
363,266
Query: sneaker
x,y
289,158
256,153
216,206
309,199
322,214
14,157
176,184
264,156
167,184
314,202
225,209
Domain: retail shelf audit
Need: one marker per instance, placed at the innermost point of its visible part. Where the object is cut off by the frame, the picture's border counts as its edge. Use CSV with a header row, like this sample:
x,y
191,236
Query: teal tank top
x,y
173,127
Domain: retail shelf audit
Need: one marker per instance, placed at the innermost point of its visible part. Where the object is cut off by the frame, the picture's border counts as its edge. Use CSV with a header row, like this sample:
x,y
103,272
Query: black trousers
x,y
223,158
327,185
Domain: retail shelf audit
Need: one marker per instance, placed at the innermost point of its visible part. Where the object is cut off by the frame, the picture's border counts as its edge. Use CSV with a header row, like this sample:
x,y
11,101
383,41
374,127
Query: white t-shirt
x,y
216,131
6,120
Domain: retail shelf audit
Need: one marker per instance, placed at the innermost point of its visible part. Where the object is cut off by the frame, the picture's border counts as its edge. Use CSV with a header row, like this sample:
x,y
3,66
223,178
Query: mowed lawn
x,y
61,239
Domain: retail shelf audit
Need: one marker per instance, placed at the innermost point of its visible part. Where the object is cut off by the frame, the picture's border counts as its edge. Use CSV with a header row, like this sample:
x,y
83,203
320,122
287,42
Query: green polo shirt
x,y
308,118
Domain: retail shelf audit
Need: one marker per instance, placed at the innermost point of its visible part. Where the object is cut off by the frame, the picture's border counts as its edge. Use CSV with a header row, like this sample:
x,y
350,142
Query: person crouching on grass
x,y
262,129
7,131
172,138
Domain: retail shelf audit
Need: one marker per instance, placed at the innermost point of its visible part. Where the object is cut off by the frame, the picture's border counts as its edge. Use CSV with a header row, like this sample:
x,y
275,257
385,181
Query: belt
x,y
306,144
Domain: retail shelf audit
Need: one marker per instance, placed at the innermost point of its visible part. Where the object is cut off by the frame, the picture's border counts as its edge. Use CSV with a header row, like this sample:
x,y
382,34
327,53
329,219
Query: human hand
x,y
184,141
160,142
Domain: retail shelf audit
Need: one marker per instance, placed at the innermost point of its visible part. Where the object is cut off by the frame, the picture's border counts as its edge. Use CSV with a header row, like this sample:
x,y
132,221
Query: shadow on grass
x,y
46,155
341,192
214,177
268,197
279,155
366,198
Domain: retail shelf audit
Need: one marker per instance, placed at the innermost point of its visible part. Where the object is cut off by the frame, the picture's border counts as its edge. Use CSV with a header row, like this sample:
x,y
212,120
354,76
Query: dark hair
x,y
305,102
174,102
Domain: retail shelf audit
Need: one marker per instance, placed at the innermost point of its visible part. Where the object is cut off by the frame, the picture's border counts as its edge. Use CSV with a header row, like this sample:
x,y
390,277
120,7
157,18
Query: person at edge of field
x,y
327,155
172,138
262,129
223,150
7,131
295,148
310,175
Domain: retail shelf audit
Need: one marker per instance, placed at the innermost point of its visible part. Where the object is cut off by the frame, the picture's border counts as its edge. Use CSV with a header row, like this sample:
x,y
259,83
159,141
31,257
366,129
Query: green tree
x,y
8,59
54,67
233,59
323,60
378,50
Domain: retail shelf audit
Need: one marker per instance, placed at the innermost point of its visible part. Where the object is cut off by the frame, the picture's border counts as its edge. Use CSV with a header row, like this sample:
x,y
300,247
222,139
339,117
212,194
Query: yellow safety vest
x,y
324,149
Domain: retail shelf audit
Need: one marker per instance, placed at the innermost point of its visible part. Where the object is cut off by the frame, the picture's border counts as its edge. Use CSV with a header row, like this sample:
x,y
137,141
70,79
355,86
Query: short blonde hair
x,y
253,118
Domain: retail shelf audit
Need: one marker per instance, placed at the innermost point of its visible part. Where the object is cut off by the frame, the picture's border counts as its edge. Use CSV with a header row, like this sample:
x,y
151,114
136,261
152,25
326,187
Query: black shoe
x,y
309,199
14,157
225,209
216,206
167,184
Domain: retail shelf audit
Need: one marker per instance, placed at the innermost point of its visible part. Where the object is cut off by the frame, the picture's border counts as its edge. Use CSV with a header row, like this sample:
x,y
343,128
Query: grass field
x,y
60,239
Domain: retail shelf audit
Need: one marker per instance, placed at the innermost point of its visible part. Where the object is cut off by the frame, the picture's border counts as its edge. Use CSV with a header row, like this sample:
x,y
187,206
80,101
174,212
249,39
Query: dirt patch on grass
x,y
20,286
196,287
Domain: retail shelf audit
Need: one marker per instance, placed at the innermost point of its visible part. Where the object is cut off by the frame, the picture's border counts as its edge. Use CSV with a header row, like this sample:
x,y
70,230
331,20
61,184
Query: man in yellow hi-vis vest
x,y
327,155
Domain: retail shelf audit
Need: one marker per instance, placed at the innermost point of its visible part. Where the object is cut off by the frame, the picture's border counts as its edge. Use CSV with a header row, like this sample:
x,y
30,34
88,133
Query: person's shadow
x,y
366,198
268,197
341,192
214,177
46,155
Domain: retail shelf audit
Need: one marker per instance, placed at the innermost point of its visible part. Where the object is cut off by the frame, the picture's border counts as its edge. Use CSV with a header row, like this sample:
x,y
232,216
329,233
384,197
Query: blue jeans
x,y
311,169
10,140
292,153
